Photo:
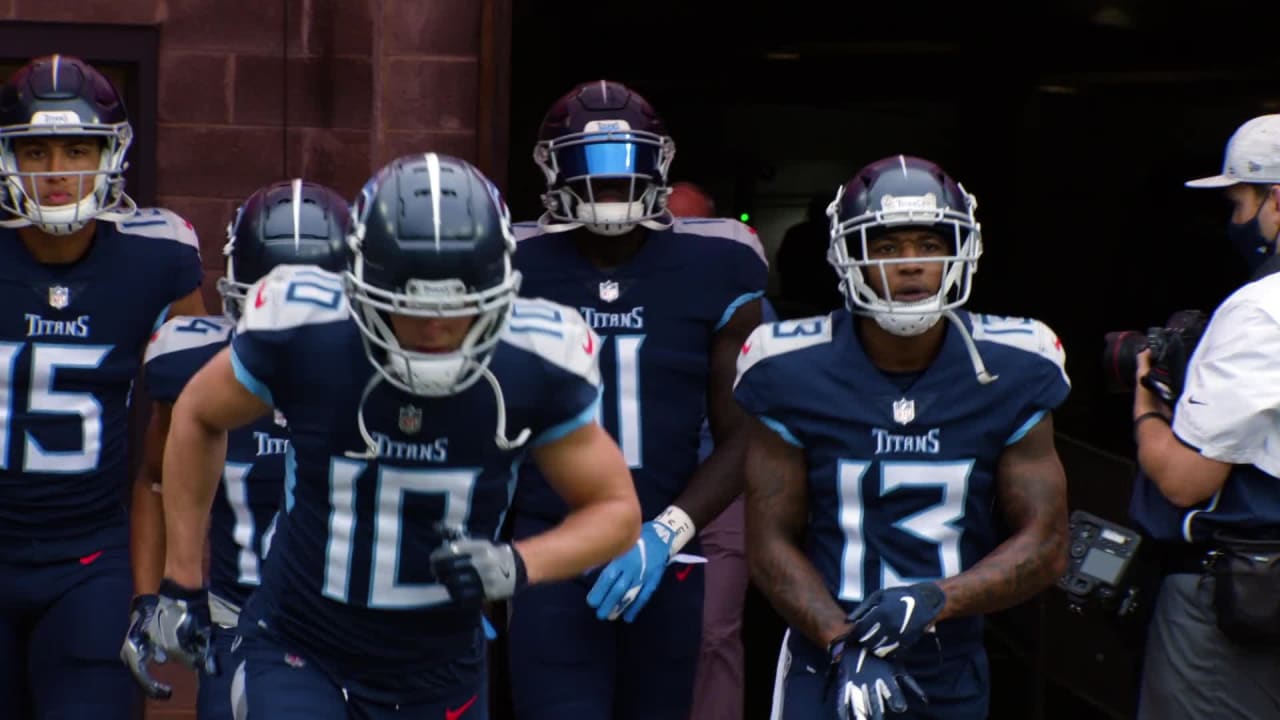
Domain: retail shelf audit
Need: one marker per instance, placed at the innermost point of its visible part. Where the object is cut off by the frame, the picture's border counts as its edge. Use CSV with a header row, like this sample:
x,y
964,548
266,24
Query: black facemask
x,y
1248,240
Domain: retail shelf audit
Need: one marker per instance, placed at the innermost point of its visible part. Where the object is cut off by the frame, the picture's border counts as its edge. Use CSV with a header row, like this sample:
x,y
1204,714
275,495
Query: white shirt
x,y
1230,407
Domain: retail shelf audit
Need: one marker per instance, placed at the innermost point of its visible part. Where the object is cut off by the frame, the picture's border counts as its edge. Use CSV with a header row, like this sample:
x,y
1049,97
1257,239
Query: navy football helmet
x,y
605,154
64,96
286,223
899,192
432,238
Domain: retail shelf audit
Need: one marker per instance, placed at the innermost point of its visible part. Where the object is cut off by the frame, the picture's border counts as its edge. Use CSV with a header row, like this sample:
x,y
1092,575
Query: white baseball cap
x,y
1253,155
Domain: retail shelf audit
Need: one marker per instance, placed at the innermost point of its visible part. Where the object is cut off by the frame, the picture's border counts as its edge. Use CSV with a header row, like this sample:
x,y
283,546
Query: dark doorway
x,y
1074,122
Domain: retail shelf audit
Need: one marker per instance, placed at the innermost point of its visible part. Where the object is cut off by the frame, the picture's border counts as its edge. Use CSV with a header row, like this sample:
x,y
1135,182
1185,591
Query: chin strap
x,y
979,369
548,225
371,447
500,434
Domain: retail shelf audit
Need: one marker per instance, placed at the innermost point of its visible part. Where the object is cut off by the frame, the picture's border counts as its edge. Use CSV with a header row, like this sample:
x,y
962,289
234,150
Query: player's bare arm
x,y
1031,489
587,469
195,451
777,512
146,514
718,480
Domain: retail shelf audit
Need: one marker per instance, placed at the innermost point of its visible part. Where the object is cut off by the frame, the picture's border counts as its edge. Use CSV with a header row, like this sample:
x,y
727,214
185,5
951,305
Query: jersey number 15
x,y
46,359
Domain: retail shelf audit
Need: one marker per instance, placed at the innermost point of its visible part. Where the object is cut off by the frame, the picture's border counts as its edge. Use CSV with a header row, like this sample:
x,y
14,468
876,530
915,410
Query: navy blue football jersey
x,y
656,316
71,341
348,579
901,482
243,516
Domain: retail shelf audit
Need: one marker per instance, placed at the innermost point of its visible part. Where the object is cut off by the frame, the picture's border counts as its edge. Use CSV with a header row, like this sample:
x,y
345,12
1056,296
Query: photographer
x,y
1213,648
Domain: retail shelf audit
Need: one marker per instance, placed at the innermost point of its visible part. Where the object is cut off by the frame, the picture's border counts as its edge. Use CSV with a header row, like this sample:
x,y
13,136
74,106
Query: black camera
x,y
1102,566
1171,347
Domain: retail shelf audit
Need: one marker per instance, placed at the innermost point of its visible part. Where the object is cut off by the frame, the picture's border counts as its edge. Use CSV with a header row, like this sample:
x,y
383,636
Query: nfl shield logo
x,y
59,297
608,290
904,411
279,420
410,420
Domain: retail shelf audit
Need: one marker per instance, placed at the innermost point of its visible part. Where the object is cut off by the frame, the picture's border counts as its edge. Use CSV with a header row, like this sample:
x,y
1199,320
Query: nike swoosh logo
x,y
88,559
1194,401
683,572
455,714
259,301
910,602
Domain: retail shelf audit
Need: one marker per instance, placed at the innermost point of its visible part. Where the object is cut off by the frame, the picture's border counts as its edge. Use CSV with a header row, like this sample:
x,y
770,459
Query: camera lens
x,y
1120,359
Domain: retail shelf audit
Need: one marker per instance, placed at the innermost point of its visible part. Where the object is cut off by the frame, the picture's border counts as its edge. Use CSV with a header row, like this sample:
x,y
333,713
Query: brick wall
x,y
253,91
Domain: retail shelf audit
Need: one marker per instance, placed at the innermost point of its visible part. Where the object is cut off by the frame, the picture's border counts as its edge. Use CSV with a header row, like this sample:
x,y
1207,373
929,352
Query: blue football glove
x,y
866,685
139,650
182,629
628,581
896,618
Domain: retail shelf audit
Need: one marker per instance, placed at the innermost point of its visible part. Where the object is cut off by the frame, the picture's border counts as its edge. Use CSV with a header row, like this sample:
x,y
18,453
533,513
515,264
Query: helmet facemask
x,y
430,374
849,255
232,290
586,171
107,199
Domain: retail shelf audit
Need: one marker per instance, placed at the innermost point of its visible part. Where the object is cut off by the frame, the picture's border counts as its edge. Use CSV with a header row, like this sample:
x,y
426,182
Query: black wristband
x,y
522,575
173,590
1147,416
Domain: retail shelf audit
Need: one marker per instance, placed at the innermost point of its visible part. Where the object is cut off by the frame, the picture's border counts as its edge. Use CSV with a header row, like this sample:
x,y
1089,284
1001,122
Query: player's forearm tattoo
x,y
1034,501
776,516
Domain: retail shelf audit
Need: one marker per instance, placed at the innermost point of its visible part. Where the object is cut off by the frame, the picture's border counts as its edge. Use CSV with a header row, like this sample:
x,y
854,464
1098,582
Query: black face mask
x,y
1248,240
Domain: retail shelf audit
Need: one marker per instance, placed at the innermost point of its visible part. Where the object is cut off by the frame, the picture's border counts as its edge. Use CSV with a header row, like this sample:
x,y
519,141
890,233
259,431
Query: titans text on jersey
x,y
901,471
252,486
656,316
73,337
348,580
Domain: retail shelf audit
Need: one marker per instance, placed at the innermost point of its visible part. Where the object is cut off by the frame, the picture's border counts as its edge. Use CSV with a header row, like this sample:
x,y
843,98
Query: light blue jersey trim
x,y
290,476
556,432
781,429
733,307
250,383
1026,428
164,315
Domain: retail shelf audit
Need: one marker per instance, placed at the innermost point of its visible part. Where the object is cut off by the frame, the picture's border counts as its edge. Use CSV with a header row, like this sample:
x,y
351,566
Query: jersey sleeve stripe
x,y
162,317
290,473
556,432
733,307
781,429
1025,428
250,383
535,329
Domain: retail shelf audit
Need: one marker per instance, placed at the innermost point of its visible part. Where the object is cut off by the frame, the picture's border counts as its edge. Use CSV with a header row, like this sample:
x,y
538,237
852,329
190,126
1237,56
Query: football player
x,y
85,276
413,384
892,441
286,223
672,299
